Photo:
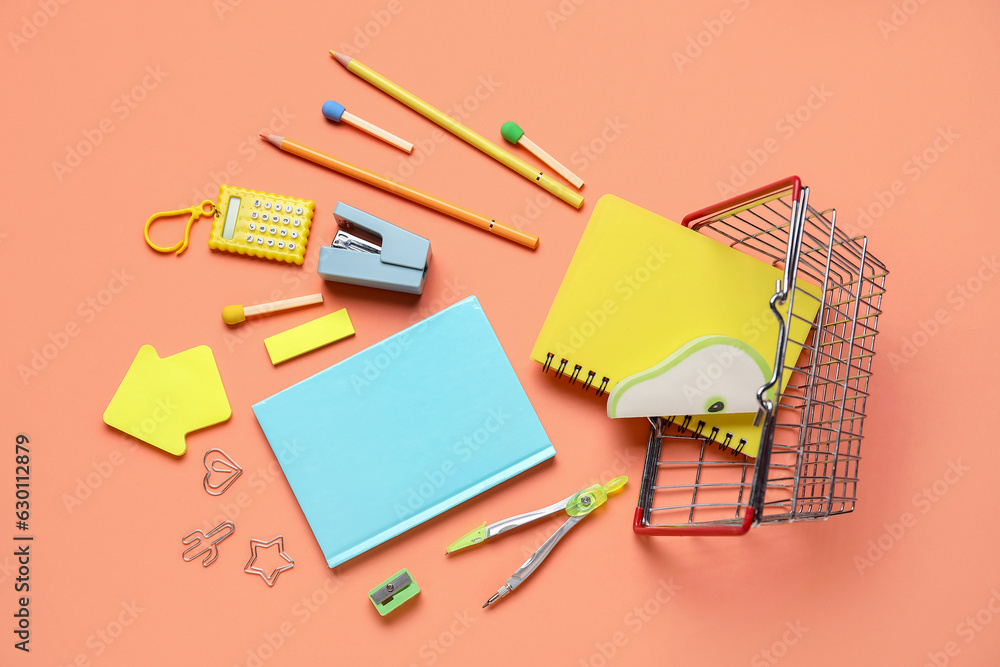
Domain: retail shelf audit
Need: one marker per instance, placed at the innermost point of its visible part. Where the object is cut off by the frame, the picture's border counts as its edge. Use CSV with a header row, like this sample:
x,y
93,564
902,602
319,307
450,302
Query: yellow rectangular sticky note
x,y
309,336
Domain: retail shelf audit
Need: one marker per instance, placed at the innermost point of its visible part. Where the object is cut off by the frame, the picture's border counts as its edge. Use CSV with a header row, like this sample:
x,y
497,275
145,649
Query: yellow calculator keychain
x,y
247,222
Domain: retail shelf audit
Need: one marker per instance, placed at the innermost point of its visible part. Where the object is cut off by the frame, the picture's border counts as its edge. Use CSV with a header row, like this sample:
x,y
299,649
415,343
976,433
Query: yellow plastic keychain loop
x,y
207,207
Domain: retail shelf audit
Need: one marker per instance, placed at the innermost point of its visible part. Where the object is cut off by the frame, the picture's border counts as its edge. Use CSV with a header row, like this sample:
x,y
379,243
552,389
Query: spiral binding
x,y
684,426
575,375
726,442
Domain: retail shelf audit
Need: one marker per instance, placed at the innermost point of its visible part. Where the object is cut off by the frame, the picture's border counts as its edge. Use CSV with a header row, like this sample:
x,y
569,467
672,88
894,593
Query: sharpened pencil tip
x,y
341,58
486,605
263,136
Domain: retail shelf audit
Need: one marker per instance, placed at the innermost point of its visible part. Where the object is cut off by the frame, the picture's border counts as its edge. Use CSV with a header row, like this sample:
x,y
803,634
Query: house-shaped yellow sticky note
x,y
162,400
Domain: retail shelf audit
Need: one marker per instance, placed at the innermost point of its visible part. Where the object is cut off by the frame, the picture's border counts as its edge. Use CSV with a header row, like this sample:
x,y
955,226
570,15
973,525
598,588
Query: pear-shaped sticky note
x,y
162,400
708,375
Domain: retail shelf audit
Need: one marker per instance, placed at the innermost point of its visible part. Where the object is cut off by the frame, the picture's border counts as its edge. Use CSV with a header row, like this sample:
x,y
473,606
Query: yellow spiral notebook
x,y
659,315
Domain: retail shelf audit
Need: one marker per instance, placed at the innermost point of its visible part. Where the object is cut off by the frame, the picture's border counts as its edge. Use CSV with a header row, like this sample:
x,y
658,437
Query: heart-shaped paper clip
x,y
207,207
217,461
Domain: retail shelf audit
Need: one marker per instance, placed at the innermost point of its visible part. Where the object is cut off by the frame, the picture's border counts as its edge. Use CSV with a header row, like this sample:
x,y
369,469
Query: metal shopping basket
x,y
807,463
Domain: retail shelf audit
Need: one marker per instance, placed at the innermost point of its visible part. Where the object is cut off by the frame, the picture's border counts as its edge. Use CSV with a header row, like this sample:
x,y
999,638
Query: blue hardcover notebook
x,y
403,431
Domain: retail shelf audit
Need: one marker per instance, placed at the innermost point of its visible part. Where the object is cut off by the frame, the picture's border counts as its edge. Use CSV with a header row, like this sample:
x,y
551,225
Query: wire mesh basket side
x,y
807,465
835,369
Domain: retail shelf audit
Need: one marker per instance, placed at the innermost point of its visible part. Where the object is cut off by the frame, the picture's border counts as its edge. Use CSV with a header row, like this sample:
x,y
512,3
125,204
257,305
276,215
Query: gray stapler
x,y
383,256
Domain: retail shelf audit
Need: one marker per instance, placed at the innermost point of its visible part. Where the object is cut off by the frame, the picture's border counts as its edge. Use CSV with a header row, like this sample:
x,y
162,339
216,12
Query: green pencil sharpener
x,y
393,592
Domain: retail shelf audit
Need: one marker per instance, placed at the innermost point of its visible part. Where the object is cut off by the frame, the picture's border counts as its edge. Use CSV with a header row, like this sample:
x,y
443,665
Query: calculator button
x,y
295,234
254,214
298,210
260,239
284,221
256,203
252,227
265,217
274,230
288,208
284,232
270,242
297,222
281,244
267,205
249,238
291,246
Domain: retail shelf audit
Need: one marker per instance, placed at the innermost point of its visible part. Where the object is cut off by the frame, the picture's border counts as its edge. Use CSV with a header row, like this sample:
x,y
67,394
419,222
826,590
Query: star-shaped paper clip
x,y
272,576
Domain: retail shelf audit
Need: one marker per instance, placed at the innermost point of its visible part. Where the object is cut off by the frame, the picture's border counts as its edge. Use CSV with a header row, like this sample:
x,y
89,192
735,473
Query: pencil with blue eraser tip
x,y
336,112
513,133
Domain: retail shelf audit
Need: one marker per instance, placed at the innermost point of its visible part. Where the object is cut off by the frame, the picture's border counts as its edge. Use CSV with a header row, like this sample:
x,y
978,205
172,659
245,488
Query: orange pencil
x,y
422,198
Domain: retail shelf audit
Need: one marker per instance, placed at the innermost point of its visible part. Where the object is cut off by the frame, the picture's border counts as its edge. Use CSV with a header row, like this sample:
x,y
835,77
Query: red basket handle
x,y
792,183
639,528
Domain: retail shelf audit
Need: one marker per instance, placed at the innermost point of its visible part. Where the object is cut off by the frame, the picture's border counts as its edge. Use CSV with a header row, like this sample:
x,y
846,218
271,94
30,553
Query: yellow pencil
x,y
462,132
414,195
